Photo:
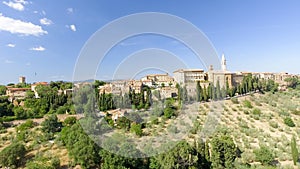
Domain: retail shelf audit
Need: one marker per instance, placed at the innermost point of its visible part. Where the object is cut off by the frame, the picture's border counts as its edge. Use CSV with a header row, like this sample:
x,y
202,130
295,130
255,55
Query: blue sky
x,y
42,39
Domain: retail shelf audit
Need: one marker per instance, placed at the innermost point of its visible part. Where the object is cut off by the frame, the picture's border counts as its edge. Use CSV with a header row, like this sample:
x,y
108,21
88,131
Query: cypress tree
x,y
294,148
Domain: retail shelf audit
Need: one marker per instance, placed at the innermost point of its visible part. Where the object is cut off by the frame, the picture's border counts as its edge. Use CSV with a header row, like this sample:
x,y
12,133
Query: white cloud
x,y
73,28
16,4
43,12
8,61
70,10
11,45
20,27
40,48
45,21
28,64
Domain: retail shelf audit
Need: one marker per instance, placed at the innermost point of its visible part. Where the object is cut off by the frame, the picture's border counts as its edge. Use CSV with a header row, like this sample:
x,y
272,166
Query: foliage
x,y
69,121
80,147
41,161
51,124
137,129
5,107
247,104
289,122
2,90
256,111
169,109
234,100
223,151
293,82
295,153
12,155
264,155
27,125
181,156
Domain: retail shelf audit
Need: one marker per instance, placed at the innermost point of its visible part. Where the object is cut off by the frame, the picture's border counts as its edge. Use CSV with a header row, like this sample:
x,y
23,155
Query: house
x,y
33,86
16,93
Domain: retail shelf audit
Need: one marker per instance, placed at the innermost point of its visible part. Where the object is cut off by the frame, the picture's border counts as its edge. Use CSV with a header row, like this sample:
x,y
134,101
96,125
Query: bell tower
x,y
223,63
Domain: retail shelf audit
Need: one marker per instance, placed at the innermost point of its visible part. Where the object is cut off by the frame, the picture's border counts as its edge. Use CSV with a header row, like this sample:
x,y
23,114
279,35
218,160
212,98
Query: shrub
x,y
256,111
27,125
247,104
264,155
137,129
10,156
289,122
234,100
273,124
69,121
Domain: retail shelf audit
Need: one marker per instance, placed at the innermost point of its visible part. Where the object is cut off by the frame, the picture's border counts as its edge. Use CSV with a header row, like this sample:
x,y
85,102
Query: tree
x,y
205,97
295,153
264,155
218,91
199,91
293,82
2,90
223,151
181,156
51,124
12,155
80,147
5,107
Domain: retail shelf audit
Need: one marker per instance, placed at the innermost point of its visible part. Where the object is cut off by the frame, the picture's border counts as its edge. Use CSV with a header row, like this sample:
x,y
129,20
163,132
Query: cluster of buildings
x,y
166,84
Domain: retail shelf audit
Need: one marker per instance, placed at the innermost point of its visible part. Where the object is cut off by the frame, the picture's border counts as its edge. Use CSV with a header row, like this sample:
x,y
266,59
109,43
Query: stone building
x,y
183,76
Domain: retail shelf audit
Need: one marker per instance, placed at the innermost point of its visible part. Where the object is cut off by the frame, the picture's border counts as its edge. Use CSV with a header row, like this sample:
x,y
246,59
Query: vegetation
x,y
289,122
264,155
231,146
12,155
295,153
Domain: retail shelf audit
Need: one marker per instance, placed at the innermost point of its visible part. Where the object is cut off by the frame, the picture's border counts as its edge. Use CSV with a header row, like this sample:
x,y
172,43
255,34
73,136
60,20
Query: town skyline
x,y
42,41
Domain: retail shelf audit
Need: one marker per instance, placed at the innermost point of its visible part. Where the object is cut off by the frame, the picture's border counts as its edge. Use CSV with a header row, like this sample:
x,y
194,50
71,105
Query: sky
x,y
42,40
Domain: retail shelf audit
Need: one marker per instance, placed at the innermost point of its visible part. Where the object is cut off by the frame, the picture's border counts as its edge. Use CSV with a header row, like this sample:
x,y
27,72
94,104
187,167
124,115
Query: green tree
x,y
264,155
295,153
12,155
223,151
218,91
205,97
51,124
199,91
81,148
2,90
182,156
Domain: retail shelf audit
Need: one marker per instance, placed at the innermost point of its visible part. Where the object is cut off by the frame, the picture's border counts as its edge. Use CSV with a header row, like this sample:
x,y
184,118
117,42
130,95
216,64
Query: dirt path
x,y
61,117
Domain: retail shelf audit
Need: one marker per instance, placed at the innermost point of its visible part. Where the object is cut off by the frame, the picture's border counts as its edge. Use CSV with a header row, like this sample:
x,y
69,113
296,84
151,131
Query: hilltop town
x,y
165,83
249,113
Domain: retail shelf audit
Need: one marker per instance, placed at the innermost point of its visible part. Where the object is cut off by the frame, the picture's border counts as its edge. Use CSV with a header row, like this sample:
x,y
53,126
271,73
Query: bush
x,y
137,129
69,121
247,104
273,124
12,155
27,125
234,100
289,122
264,155
256,111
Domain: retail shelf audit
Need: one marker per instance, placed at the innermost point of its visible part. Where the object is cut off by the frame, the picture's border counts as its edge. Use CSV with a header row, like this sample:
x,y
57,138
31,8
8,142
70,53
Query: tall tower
x,y
22,79
223,63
